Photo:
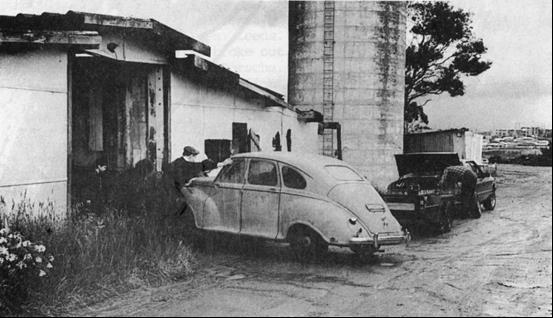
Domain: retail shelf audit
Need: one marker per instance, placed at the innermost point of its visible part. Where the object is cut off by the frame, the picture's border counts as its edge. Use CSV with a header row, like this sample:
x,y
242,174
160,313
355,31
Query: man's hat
x,y
189,150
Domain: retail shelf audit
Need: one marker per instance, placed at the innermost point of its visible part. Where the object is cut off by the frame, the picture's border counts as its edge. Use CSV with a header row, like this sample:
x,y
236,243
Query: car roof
x,y
295,158
428,153
312,164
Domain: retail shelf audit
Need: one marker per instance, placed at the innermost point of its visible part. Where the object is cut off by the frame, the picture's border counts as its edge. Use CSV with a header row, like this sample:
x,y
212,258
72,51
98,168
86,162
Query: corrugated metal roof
x,y
274,98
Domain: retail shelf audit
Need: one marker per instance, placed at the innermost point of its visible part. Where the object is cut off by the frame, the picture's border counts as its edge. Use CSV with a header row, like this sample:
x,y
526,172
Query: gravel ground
x,y
497,265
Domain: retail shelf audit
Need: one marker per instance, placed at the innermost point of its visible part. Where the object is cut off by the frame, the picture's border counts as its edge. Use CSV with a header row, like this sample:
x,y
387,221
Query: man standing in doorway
x,y
468,179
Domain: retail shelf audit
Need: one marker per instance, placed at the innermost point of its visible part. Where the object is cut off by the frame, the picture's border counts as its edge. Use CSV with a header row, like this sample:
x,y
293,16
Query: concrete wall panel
x,y
33,128
195,119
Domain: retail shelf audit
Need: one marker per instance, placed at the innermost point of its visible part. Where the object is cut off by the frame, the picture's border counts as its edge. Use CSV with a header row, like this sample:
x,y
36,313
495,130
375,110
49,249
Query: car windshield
x,y
343,173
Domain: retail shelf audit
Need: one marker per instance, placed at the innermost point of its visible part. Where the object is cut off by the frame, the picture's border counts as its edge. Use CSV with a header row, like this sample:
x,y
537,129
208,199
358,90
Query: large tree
x,y
442,50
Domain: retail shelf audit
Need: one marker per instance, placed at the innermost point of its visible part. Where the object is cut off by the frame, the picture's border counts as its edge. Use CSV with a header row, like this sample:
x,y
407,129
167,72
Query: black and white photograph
x,y
226,158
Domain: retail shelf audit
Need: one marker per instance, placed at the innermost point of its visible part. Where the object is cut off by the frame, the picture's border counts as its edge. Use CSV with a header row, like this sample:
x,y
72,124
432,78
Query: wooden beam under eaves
x,y
82,39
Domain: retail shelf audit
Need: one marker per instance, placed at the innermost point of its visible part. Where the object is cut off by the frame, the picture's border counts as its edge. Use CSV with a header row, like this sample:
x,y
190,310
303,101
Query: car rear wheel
x,y
306,243
489,203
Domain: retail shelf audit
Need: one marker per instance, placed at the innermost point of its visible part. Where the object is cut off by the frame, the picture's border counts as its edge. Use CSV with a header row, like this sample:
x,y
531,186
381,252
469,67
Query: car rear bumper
x,y
380,239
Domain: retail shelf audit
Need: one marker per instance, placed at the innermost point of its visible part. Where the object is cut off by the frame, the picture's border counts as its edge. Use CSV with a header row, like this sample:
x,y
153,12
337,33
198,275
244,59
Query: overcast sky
x,y
250,37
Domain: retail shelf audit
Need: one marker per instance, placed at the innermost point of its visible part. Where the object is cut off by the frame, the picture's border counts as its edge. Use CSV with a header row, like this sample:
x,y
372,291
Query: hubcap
x,y
305,241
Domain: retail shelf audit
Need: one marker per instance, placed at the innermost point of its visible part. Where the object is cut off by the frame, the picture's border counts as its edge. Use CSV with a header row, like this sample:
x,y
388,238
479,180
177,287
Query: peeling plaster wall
x,y
33,128
199,112
368,77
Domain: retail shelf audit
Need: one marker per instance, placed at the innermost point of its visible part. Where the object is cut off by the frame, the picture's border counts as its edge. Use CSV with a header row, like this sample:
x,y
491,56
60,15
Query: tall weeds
x,y
103,249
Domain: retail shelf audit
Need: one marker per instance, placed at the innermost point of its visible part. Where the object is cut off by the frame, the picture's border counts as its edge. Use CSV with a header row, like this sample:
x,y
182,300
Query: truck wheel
x,y
489,203
306,243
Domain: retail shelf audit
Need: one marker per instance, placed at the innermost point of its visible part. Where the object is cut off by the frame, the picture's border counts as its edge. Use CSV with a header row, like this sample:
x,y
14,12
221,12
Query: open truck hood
x,y
426,163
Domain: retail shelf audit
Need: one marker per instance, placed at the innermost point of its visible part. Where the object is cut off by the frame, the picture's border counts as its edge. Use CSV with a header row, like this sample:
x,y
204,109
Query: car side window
x,y
233,173
262,172
292,178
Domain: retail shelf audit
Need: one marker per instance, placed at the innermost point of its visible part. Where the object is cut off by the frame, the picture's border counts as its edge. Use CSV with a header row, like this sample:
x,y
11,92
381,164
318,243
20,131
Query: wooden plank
x,y
70,62
116,21
85,39
156,119
137,117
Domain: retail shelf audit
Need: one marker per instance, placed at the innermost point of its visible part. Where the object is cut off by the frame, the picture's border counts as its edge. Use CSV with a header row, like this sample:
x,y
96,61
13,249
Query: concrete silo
x,y
347,61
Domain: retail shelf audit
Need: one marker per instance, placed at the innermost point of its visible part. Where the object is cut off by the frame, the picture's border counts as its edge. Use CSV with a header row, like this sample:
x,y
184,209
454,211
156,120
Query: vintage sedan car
x,y
416,199
310,201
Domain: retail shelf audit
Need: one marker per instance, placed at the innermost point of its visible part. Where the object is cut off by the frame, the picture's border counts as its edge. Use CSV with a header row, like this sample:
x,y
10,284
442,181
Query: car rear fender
x,y
326,218
365,203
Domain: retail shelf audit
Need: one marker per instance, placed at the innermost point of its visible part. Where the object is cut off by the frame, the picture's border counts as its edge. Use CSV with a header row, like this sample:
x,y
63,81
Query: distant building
x,y
511,132
530,131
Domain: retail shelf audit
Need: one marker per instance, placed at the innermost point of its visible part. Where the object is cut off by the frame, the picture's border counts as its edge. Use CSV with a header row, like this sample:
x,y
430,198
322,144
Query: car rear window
x,y
343,173
292,178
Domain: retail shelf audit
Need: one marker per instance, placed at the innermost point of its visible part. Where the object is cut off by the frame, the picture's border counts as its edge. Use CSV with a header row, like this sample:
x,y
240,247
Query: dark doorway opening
x,y
119,123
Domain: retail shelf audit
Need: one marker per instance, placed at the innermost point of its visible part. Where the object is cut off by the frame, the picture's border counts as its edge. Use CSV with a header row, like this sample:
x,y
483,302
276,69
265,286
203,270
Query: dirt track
x,y
497,265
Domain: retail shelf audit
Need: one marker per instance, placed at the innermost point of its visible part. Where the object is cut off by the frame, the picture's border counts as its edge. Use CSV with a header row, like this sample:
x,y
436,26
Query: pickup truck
x,y
415,199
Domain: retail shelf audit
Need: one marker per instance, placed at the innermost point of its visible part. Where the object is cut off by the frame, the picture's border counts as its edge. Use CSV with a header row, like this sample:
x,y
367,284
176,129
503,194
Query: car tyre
x,y
306,243
489,203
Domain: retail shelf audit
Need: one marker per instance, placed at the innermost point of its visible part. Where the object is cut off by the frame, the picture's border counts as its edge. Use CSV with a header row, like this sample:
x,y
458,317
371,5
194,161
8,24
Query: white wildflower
x,y
38,259
49,266
41,273
12,258
51,258
28,257
3,240
21,265
40,248
3,250
4,231
26,243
